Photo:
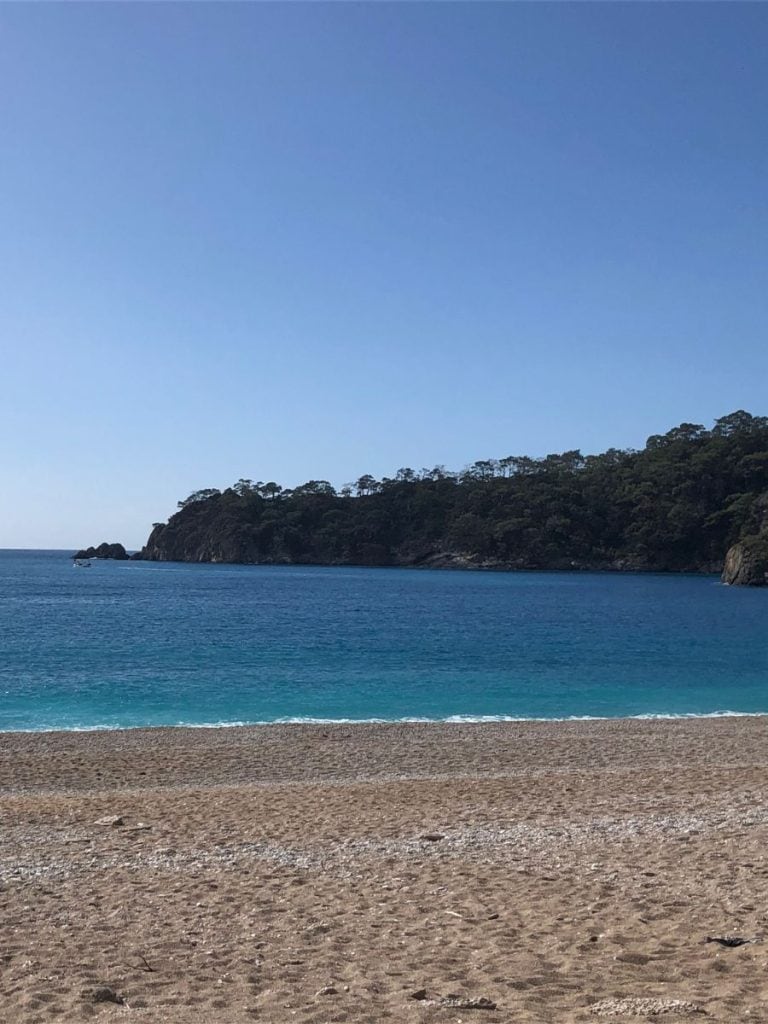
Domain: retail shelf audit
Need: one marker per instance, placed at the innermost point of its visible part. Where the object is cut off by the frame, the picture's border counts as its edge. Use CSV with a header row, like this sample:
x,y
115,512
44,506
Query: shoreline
x,y
649,716
315,752
502,567
452,566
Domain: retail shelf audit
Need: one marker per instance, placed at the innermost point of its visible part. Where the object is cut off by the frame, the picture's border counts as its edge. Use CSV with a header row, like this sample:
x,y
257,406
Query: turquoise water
x,y
129,644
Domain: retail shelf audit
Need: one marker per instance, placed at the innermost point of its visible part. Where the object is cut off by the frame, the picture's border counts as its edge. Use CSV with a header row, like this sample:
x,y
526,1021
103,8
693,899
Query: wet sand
x,y
564,872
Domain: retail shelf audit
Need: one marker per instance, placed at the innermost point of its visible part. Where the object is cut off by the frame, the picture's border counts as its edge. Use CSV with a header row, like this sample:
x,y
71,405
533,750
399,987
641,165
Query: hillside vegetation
x,y
676,505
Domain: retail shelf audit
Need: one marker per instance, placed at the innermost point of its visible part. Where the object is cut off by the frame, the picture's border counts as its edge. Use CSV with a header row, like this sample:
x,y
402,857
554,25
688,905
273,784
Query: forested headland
x,y
676,505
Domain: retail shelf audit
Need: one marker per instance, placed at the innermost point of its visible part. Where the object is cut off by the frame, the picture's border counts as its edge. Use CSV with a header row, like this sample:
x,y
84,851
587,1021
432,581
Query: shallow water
x,y
129,644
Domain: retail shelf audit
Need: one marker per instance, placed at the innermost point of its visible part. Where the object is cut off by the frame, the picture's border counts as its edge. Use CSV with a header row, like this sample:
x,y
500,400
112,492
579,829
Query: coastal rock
x,y
104,550
446,560
746,563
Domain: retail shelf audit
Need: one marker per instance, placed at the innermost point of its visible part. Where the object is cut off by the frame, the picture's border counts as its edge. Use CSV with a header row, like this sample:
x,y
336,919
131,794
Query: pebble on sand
x,y
102,994
467,1003
327,990
643,1007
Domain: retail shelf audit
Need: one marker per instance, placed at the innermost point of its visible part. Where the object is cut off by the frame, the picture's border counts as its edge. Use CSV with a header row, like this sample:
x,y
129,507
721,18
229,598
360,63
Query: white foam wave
x,y
411,719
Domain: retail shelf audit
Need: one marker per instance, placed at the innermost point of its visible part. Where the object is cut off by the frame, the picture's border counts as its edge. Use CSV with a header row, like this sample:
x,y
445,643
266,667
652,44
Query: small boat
x,y
82,563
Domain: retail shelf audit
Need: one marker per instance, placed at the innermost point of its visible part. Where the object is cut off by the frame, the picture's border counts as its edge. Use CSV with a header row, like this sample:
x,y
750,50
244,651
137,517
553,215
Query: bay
x,y
126,644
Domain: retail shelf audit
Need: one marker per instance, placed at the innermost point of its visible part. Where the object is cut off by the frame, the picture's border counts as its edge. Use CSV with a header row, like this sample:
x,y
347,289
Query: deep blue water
x,y
128,644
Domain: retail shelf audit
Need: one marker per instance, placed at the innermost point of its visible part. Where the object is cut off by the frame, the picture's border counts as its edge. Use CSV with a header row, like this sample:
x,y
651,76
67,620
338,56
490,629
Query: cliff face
x,y
180,541
746,563
188,538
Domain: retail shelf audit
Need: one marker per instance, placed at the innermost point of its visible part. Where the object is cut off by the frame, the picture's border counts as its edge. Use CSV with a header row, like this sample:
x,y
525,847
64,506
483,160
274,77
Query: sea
x,y
127,644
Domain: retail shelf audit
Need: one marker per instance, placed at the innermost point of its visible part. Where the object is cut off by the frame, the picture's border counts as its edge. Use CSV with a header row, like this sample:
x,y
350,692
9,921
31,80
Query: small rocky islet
x,y
104,550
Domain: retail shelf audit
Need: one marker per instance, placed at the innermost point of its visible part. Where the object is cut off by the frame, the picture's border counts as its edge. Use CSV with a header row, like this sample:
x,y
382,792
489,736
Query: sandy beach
x,y
511,872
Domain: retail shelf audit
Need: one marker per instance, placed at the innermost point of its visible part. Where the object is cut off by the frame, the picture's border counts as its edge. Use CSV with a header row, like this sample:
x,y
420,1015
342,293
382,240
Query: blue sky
x,y
300,241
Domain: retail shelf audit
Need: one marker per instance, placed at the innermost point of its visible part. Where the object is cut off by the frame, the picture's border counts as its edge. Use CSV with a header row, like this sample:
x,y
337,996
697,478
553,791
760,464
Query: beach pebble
x,y
327,990
729,941
648,1007
102,994
458,1002
317,929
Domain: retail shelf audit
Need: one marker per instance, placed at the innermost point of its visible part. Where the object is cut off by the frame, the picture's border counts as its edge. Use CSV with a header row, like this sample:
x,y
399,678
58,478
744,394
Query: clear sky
x,y
300,241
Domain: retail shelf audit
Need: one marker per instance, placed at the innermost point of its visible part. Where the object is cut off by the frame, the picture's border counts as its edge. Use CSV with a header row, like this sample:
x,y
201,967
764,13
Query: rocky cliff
x,y
746,563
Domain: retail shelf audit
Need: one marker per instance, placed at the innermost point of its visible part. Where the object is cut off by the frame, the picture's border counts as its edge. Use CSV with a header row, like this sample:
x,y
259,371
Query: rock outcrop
x,y
116,551
746,563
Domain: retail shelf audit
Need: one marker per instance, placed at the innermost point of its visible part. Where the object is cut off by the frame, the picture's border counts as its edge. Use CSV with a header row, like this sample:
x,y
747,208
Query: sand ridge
x,y
561,871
